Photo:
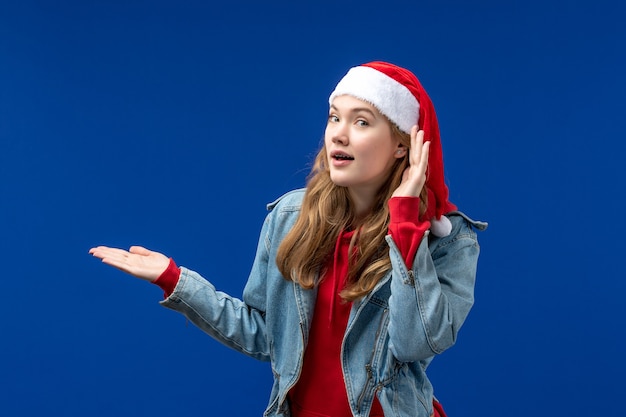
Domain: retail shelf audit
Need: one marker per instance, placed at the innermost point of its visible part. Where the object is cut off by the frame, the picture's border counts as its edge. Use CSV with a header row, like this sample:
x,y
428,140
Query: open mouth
x,y
342,157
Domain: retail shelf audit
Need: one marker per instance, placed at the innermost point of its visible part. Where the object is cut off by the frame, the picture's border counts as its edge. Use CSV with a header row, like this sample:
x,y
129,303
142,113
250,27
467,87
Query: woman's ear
x,y
400,152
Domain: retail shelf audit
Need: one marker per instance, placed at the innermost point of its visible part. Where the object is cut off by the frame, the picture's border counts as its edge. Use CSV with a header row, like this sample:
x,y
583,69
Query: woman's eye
x,y
333,118
362,123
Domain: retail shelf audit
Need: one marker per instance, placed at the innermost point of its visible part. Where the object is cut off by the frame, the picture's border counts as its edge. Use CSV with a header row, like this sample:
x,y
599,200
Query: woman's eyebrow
x,y
365,109
357,110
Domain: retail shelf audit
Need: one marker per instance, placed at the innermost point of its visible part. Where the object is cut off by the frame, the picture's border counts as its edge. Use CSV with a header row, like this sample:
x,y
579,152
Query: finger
x,y
97,248
422,165
123,260
118,258
414,133
103,251
417,140
98,251
139,250
120,264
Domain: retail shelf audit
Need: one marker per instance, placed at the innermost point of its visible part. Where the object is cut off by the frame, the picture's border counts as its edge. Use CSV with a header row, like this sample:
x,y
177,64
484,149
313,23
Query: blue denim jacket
x,y
392,334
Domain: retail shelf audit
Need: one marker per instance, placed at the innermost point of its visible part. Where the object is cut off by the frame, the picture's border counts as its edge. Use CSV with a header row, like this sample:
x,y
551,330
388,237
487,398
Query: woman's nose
x,y
340,135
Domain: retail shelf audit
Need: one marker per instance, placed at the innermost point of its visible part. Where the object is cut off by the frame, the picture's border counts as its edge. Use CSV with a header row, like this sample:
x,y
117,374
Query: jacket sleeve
x,y
237,324
430,301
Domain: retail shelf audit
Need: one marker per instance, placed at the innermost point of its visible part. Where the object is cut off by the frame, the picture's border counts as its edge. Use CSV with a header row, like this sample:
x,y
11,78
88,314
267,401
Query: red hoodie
x,y
322,359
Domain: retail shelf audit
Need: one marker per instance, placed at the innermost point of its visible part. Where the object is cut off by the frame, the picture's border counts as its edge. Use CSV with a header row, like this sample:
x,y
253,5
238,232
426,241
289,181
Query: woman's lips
x,y
340,158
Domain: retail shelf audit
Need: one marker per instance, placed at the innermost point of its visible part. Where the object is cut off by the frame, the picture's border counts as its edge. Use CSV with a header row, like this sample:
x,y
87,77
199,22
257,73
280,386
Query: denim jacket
x,y
392,333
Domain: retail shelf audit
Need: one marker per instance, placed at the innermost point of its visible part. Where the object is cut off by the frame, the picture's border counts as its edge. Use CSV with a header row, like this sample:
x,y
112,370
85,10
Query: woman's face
x,y
359,146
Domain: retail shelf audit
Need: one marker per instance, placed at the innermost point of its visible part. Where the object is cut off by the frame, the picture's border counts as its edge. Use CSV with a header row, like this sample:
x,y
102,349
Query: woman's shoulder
x,y
282,214
463,229
459,219
290,201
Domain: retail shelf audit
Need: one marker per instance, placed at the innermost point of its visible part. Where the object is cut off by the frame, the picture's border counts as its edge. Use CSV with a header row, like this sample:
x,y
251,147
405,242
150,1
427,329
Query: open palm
x,y
137,261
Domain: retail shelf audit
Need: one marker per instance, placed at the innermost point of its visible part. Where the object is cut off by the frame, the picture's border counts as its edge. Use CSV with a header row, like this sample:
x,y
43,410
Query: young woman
x,y
360,279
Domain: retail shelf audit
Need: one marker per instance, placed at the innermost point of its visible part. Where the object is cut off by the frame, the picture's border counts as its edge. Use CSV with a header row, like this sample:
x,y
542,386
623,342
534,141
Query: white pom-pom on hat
x,y
441,227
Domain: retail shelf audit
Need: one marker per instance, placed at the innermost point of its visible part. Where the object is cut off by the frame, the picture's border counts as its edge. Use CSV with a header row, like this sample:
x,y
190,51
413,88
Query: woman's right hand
x,y
137,261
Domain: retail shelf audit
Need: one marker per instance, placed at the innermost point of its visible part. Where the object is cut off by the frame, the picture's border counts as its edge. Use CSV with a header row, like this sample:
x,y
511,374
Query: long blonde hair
x,y
326,211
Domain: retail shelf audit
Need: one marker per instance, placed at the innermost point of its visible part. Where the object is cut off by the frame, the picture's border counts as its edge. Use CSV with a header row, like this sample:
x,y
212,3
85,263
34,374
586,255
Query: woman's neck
x,y
362,203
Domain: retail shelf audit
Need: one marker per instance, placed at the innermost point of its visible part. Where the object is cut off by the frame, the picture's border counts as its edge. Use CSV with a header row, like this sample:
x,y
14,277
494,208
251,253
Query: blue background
x,y
171,124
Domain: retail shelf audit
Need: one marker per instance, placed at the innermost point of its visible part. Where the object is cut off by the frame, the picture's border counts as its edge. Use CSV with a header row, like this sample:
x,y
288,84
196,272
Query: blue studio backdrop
x,y
171,125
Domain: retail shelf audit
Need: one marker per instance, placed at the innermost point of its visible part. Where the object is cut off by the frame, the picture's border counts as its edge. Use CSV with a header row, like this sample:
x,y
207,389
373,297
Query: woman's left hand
x,y
414,177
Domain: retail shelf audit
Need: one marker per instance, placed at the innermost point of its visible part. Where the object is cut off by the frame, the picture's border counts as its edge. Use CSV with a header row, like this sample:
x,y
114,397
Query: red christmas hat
x,y
397,93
